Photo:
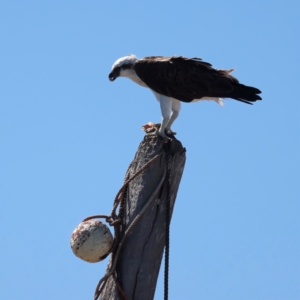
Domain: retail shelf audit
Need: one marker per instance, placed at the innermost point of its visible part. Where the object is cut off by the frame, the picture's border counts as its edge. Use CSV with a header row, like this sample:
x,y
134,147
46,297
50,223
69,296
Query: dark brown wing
x,y
188,79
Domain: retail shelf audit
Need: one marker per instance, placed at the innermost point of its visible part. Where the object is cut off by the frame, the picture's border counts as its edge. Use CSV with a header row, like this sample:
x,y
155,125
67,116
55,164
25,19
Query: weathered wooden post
x,y
139,258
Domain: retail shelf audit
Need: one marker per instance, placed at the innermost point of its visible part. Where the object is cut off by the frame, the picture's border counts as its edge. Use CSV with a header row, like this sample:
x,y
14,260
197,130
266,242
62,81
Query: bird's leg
x,y
166,110
168,130
162,128
175,113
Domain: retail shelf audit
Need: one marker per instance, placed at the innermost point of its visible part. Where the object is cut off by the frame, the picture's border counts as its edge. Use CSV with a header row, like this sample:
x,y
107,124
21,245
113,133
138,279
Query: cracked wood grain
x,y
141,255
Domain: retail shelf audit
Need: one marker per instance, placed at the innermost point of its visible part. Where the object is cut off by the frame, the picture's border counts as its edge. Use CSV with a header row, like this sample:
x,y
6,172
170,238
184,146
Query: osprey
x,y
174,79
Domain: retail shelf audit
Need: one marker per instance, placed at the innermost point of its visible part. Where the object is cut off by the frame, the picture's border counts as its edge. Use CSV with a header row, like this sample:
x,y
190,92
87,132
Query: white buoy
x,y
91,240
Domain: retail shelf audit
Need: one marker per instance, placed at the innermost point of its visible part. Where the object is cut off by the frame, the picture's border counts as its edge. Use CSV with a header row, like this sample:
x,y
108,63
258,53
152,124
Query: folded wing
x,y
189,79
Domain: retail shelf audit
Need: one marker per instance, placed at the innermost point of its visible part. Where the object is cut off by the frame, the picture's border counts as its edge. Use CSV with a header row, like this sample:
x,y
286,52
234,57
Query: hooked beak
x,y
112,76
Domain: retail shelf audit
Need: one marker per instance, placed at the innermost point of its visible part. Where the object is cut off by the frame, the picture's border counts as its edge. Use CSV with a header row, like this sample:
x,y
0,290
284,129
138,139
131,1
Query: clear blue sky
x,y
68,135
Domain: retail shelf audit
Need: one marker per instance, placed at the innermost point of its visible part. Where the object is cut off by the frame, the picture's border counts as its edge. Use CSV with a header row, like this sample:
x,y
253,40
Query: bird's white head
x,y
122,66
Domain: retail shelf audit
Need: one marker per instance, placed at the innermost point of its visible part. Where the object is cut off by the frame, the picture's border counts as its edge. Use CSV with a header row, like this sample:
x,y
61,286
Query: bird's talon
x,y
170,133
164,136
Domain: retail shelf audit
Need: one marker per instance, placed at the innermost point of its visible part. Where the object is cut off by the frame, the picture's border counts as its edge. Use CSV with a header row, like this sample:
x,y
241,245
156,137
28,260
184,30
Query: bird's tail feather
x,y
244,93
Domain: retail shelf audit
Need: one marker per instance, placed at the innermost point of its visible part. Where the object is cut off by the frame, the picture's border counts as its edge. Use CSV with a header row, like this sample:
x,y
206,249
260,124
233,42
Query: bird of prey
x,y
175,78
